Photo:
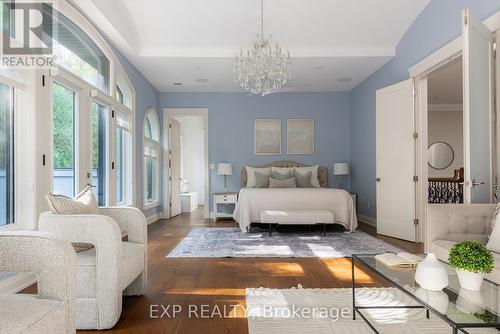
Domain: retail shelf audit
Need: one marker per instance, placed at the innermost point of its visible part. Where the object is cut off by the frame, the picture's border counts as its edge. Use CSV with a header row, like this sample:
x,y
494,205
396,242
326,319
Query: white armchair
x,y
110,269
52,310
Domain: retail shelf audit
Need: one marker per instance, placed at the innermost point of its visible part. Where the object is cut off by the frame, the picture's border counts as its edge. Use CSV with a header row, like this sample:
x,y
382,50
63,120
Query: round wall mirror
x,y
440,155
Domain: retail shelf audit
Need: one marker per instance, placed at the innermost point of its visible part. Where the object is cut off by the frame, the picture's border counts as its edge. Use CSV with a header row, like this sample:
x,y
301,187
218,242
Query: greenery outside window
x,y
151,166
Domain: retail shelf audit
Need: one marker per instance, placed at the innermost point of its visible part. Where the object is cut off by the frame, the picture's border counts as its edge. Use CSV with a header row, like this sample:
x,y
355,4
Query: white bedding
x,y
252,201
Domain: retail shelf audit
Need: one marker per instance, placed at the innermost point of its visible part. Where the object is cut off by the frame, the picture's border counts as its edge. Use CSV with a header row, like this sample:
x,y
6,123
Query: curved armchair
x,y
110,269
53,262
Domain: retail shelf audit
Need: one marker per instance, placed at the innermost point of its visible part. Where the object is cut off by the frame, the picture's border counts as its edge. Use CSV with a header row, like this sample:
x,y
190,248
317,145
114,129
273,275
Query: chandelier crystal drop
x,y
264,69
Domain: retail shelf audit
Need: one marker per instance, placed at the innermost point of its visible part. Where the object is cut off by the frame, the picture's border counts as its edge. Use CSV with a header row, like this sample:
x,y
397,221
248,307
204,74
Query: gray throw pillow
x,y
282,177
303,180
261,180
288,183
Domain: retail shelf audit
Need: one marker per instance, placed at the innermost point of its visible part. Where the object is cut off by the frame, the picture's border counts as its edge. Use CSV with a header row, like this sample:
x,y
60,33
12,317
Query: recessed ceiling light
x,y
197,67
202,80
307,85
346,79
318,67
177,83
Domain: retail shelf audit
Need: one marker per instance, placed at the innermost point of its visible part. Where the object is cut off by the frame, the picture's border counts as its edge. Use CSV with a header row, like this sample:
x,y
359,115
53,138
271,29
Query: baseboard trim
x,y
153,218
367,220
17,283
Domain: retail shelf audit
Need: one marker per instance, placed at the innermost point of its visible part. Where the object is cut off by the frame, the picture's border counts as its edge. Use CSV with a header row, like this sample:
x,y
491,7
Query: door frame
x,y
418,73
168,114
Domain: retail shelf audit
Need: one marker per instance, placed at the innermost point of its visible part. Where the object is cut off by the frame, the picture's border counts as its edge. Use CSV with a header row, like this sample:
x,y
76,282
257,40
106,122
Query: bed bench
x,y
296,217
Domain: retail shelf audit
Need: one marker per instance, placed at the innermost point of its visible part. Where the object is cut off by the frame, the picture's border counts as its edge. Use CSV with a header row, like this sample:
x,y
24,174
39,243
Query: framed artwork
x,y
267,137
300,136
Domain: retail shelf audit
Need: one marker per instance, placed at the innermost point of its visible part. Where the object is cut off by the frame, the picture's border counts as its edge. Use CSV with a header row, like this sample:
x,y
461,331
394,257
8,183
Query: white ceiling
x,y
185,40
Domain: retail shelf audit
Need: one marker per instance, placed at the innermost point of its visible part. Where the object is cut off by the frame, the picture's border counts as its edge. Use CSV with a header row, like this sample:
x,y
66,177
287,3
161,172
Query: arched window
x,y
151,166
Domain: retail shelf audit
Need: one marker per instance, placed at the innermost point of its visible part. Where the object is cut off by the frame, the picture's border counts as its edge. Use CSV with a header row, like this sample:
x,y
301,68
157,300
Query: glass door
x,y
6,155
63,132
99,151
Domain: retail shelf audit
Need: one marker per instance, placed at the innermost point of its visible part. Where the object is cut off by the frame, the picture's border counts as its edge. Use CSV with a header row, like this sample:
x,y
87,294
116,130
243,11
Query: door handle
x,y
477,183
378,179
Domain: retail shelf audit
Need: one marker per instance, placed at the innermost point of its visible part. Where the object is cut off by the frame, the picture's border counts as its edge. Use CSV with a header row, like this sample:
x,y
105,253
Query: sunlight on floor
x,y
282,269
341,270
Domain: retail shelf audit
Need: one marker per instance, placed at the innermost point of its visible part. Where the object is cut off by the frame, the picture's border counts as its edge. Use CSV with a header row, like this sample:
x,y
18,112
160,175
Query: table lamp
x,y
225,169
340,169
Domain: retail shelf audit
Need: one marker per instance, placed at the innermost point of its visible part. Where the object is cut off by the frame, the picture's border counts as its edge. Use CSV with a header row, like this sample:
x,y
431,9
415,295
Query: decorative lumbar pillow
x,y
83,203
281,176
288,183
261,180
251,174
303,180
314,174
494,239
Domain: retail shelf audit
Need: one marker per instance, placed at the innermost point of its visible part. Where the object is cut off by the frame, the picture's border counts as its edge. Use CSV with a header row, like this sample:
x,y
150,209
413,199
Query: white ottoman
x,y
296,217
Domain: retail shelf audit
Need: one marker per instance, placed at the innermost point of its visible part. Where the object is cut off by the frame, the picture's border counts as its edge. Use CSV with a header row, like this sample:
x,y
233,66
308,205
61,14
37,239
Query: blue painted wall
x,y
438,24
146,96
231,118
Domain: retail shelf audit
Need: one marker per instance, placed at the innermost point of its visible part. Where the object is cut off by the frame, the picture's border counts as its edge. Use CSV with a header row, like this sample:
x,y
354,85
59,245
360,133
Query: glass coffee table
x,y
460,308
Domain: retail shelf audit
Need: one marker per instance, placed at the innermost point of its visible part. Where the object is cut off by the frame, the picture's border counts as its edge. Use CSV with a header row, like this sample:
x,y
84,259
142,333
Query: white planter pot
x,y
431,274
469,280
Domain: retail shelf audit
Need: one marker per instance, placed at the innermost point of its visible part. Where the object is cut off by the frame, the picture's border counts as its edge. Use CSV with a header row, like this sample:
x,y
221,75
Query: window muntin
x,y
6,154
151,158
76,51
63,129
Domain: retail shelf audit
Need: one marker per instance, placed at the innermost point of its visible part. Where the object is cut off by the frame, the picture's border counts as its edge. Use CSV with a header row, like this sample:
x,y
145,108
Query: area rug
x,y
231,242
296,310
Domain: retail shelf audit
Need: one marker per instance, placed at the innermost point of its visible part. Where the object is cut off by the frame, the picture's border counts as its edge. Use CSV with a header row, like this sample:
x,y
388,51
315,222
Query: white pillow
x,y
83,203
494,240
251,175
314,174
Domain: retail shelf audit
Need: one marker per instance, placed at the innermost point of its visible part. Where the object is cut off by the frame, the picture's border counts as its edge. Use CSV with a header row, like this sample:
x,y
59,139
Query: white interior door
x,y
477,69
395,161
175,167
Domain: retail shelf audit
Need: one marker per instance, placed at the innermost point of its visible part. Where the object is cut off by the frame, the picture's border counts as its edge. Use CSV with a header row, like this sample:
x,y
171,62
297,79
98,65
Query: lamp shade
x,y
224,169
341,168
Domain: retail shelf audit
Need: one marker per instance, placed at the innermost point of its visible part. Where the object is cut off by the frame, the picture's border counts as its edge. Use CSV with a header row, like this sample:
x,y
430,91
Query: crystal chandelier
x,y
263,69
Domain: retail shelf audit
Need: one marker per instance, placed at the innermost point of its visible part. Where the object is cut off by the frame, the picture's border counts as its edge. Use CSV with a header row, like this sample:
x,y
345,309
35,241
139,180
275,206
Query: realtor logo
x,y
29,22
27,33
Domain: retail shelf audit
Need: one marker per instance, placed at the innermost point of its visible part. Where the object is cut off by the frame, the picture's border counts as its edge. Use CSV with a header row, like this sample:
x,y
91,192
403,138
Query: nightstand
x,y
224,204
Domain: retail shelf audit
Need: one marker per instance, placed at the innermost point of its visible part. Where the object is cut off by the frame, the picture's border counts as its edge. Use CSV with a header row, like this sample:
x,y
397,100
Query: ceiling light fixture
x,y
177,83
201,80
264,68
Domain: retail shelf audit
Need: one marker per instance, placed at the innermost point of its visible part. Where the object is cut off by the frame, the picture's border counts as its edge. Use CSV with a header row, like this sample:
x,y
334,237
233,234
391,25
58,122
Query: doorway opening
x,y
192,164
187,146
445,134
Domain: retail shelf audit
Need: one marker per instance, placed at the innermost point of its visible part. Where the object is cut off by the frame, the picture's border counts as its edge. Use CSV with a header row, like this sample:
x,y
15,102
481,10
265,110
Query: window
x,y
123,159
63,129
119,94
75,50
6,154
151,159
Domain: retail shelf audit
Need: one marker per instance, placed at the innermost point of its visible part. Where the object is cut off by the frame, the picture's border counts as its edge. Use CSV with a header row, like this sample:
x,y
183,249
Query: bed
x,y
252,201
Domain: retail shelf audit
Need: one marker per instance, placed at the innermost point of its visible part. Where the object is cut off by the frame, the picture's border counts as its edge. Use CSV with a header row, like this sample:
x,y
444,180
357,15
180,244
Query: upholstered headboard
x,y
322,172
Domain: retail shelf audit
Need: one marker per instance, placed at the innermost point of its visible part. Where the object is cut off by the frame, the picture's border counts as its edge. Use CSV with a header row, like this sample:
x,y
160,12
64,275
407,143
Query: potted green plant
x,y
472,261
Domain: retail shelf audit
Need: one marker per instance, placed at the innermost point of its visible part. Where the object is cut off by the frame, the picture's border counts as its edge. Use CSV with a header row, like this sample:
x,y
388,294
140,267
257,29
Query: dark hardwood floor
x,y
220,282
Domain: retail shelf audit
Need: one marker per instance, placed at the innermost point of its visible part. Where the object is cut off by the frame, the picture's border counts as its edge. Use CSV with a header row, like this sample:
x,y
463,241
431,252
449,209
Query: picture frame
x,y
267,136
300,136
